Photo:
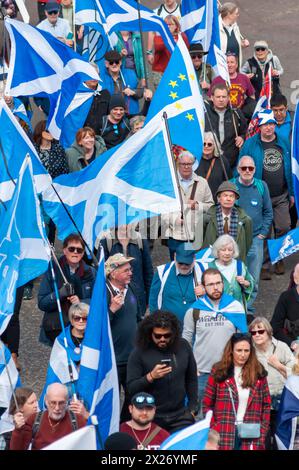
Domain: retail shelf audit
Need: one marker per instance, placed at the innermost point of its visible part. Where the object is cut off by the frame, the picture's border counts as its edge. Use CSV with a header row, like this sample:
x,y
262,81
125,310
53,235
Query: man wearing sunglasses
x,y
80,281
204,74
58,27
256,202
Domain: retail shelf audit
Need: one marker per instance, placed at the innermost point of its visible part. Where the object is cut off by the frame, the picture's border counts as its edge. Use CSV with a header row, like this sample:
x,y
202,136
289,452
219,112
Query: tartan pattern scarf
x,y
233,226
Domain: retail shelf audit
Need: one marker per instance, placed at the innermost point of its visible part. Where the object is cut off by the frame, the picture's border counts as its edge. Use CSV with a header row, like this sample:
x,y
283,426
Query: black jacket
x,y
98,109
286,314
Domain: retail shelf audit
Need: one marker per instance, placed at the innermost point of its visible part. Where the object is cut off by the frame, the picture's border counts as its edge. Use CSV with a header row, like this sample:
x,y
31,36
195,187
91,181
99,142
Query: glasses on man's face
x,y
196,56
249,168
260,49
187,165
214,284
78,318
163,335
53,12
75,249
53,404
114,62
255,332
148,400
208,144
279,111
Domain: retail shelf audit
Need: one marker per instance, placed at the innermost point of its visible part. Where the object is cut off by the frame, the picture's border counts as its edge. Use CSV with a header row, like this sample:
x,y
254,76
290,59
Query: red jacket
x,y
162,54
217,399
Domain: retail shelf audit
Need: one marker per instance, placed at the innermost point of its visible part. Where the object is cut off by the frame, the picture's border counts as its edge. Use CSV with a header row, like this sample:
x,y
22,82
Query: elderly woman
x,y
230,37
278,360
238,282
87,147
211,167
136,123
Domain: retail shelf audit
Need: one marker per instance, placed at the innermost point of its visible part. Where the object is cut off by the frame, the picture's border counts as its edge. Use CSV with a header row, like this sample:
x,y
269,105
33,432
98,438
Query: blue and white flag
x,y
205,256
230,308
19,110
121,15
178,94
53,70
128,183
201,24
98,382
191,438
82,439
8,371
280,248
287,417
24,252
14,146
295,156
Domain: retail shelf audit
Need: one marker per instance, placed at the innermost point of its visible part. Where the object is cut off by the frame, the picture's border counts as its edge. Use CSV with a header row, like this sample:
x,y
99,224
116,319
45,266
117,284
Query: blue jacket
x,y
256,202
253,148
284,131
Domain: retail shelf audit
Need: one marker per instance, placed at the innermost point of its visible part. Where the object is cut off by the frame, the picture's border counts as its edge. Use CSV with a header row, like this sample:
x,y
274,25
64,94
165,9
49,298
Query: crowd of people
x,y
187,336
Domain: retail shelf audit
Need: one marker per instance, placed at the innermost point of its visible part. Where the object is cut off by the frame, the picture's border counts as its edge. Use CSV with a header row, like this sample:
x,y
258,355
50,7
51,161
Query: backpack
x,y
38,419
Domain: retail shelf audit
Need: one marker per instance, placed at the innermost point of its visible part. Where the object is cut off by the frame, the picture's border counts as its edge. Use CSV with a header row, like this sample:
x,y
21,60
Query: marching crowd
x,y
187,337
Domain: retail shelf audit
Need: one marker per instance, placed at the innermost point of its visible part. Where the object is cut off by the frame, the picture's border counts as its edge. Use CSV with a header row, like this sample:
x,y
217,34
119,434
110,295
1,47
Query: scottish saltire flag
x,y
295,156
205,256
191,438
53,70
19,110
98,382
262,104
280,248
287,417
178,94
82,439
121,15
201,24
8,371
24,252
128,183
14,146
230,308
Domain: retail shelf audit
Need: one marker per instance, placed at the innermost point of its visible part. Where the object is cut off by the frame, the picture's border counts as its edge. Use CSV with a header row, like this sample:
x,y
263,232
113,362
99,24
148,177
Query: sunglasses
x,y
78,318
249,168
260,332
148,400
196,56
53,12
208,144
112,62
260,49
75,249
164,335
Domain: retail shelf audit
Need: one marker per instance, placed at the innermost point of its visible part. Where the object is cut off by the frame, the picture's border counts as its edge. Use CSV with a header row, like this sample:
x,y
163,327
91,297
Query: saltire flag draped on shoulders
x,y
264,102
53,70
82,439
121,15
24,252
98,381
191,438
287,416
280,248
230,308
14,146
128,183
201,24
178,94
295,156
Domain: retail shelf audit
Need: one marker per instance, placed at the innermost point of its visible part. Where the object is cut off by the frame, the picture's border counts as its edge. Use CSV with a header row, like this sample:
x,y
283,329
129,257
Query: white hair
x,y
185,153
222,241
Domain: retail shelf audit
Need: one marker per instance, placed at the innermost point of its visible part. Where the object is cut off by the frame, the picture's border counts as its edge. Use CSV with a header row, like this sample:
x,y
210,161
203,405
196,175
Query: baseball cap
x,y
184,256
140,400
266,117
261,44
52,6
115,261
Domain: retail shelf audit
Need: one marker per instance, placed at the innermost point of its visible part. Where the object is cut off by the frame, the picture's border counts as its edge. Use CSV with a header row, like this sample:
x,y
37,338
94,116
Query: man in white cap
x,y
124,314
273,165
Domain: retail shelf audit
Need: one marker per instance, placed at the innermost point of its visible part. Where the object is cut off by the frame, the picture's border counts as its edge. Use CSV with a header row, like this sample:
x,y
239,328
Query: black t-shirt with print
x,y
273,168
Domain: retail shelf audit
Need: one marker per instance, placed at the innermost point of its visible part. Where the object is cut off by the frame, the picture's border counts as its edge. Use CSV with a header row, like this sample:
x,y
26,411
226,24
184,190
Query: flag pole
x,y
142,44
95,422
74,25
9,377
183,214
219,149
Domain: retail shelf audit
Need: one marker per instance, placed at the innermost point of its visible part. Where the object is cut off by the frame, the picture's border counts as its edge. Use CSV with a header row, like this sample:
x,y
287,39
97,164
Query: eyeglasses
x,y
112,62
249,168
214,284
208,144
186,164
163,335
148,400
78,318
279,111
53,12
260,332
52,404
75,249
260,49
196,56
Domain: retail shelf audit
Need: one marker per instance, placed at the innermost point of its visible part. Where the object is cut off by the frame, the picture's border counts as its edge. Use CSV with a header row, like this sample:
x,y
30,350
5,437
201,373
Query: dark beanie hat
x,y
120,441
117,101
113,55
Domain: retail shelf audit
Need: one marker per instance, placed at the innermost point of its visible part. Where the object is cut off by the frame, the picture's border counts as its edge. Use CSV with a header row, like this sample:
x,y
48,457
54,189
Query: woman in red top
x,y
161,55
237,392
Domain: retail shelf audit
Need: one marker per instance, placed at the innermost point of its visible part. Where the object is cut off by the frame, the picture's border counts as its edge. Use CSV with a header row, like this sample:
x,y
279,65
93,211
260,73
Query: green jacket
x,y
244,236
137,51
75,154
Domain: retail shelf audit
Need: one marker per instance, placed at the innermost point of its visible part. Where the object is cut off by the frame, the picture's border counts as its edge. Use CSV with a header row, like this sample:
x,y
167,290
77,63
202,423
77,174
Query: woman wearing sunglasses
x,y
74,334
278,360
258,66
237,392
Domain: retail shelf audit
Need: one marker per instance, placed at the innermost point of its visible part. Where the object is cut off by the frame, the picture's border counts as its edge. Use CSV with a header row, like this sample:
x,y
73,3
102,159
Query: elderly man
x,y
226,217
176,285
197,198
256,202
273,164
58,27
204,74
46,427
124,314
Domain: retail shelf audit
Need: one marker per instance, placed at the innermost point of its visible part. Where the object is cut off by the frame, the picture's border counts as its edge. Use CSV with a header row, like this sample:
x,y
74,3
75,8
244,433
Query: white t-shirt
x,y
60,29
243,394
228,271
164,12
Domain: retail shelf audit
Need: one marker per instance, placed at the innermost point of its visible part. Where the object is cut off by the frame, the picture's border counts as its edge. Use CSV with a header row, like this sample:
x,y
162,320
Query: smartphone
x,y
166,362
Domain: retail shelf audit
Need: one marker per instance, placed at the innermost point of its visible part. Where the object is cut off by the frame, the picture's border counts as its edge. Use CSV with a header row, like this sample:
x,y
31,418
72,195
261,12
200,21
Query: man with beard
x,y
147,434
210,325
163,364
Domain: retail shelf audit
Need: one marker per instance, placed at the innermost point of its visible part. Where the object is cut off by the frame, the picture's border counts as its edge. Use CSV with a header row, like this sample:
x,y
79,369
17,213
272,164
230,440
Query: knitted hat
x,y
227,186
117,101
